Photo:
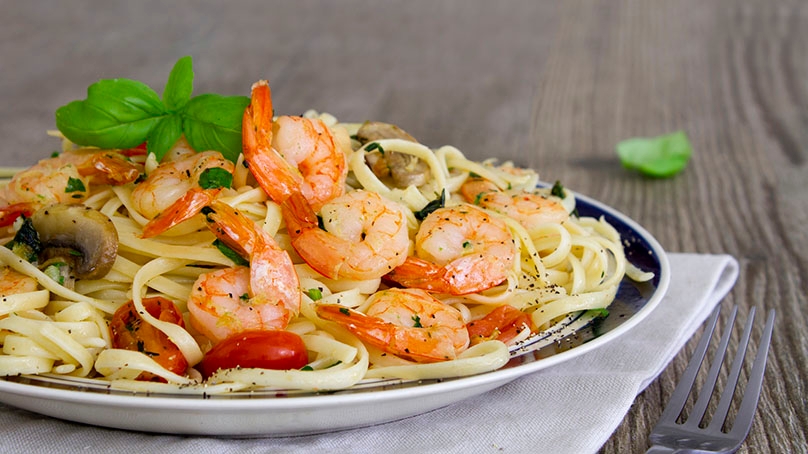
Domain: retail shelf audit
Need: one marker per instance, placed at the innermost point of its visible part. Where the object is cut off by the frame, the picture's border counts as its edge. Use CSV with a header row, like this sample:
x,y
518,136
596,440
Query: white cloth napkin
x,y
573,407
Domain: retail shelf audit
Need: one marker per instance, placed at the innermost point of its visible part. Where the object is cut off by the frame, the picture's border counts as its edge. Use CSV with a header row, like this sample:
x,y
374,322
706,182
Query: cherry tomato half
x,y
10,213
131,332
279,350
503,323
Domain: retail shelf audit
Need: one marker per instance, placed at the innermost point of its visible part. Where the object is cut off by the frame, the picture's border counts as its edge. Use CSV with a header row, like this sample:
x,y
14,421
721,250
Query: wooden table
x,y
551,85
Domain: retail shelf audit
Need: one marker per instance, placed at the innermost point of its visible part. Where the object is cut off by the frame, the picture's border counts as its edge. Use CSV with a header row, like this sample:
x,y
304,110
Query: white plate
x,y
295,413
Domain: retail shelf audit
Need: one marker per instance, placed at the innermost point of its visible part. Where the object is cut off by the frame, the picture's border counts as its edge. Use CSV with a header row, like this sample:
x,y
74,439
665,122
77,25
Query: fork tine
x,y
746,412
679,396
697,413
721,411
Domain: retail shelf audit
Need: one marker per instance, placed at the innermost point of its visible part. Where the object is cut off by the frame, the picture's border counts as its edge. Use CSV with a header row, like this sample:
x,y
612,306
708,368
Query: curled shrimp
x,y
264,296
364,236
529,209
171,193
409,323
291,154
458,250
65,178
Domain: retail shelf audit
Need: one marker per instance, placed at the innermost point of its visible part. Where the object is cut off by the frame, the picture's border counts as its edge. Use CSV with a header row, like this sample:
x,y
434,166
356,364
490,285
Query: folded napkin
x,y
572,407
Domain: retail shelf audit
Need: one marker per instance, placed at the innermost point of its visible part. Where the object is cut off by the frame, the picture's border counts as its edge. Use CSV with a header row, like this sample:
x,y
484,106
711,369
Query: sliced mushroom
x,y
78,235
401,169
376,130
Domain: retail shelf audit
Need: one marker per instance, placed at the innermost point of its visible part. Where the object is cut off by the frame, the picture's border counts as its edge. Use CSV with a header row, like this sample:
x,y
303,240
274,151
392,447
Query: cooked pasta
x,y
470,238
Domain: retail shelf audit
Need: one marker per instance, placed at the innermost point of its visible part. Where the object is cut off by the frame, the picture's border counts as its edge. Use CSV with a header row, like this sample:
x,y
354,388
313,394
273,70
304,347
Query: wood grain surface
x,y
549,84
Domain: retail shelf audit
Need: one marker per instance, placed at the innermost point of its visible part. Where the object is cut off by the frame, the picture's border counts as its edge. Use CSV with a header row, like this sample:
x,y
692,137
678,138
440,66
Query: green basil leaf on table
x,y
659,157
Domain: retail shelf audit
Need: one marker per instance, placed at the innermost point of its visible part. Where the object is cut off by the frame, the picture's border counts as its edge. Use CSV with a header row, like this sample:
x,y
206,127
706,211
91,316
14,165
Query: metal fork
x,y
673,436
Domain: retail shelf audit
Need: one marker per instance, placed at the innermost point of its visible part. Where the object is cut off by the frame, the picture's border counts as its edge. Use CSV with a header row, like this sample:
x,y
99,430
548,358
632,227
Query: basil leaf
x,y
213,122
660,157
164,135
180,84
118,113
215,177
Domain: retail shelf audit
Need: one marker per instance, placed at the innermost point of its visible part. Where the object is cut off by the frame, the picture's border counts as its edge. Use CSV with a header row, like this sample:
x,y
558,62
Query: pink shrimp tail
x,y
183,209
275,176
382,335
457,278
302,225
111,168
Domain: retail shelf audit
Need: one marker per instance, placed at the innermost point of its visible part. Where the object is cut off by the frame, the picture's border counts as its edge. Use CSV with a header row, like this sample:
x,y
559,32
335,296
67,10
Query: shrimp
x,y
65,178
409,323
503,323
171,193
264,296
459,250
364,236
12,282
529,209
291,154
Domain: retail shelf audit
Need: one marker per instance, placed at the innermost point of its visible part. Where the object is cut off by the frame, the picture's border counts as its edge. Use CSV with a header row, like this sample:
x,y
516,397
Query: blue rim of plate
x,y
634,301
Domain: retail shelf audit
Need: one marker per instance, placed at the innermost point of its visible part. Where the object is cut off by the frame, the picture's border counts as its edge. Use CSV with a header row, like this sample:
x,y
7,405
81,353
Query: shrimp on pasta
x,y
324,232
65,178
409,323
291,154
364,235
231,300
13,282
528,208
172,193
459,250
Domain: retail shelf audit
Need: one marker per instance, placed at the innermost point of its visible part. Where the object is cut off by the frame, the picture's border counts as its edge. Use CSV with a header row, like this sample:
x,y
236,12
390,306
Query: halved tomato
x,y
279,350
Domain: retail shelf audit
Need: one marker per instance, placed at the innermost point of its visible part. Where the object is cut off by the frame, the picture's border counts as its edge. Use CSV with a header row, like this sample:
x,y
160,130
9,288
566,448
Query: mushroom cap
x,y
79,235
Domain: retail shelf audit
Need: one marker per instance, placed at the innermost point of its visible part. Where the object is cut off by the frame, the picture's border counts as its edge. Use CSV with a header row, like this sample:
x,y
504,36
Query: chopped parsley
x,y
230,253
417,321
75,185
215,177
315,294
558,190
26,243
598,313
375,146
440,202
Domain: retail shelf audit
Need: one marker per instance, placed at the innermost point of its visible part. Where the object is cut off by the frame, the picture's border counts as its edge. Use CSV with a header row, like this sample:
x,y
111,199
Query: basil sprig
x,y
124,113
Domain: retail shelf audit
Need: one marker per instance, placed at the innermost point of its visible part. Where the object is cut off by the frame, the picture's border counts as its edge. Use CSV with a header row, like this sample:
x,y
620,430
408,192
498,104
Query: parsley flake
x,y
75,185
